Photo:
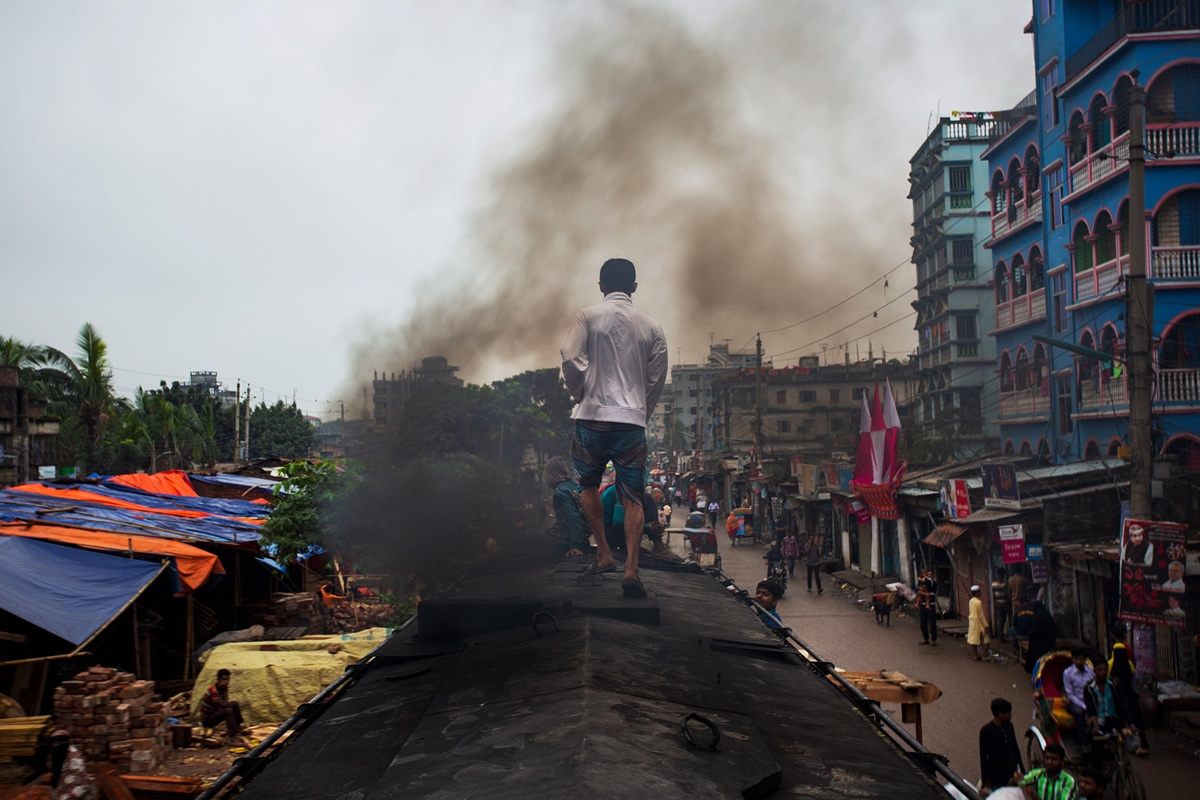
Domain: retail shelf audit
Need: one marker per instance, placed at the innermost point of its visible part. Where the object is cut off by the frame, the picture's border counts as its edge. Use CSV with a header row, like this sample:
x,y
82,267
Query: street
x,y
841,631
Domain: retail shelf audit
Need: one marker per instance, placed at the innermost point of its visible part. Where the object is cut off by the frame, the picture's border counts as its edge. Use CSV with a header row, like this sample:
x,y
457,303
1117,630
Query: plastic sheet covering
x,y
69,592
195,567
235,509
81,509
173,481
236,481
119,497
271,679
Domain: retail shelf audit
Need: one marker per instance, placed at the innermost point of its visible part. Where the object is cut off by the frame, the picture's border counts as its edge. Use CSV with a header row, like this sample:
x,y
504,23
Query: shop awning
x,y
69,592
1106,549
989,515
944,534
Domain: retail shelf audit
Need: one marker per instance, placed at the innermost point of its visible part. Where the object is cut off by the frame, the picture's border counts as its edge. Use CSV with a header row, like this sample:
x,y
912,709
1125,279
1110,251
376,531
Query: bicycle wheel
x,y
1128,784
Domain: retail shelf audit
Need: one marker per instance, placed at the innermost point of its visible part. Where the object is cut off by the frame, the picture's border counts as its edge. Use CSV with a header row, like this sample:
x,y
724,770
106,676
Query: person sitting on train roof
x,y
767,595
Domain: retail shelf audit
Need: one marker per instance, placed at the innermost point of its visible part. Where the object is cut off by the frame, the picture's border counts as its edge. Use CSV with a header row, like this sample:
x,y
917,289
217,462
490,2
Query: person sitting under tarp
x,y
216,707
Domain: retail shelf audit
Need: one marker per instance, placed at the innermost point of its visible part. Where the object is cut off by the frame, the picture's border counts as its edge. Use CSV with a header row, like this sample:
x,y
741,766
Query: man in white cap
x,y
977,625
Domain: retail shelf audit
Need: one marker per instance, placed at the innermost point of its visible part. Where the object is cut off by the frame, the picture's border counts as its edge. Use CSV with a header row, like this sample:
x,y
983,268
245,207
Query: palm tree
x,y
85,398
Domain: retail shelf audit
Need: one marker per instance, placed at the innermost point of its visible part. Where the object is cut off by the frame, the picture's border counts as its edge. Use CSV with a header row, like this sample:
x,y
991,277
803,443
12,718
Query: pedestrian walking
x,y
614,362
791,551
1121,670
927,608
977,625
812,560
1000,761
1000,605
713,510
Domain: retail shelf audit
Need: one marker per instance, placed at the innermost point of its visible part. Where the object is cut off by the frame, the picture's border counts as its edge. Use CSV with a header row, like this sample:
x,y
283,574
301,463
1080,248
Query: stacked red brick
x,y
114,717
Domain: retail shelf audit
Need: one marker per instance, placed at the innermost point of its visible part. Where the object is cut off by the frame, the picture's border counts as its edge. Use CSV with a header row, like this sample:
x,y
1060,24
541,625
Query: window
x,y
964,326
960,186
1049,103
837,424
1054,181
781,398
691,392
808,397
834,395
783,426
1047,9
692,410
857,394
1062,395
964,251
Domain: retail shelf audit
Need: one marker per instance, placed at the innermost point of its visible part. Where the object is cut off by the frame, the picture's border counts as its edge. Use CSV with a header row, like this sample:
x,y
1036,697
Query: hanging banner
x,y
860,512
1012,543
1000,487
833,480
810,481
797,463
955,502
1153,564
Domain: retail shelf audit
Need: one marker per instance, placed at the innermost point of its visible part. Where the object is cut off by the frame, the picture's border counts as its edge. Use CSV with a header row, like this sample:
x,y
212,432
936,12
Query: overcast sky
x,y
297,193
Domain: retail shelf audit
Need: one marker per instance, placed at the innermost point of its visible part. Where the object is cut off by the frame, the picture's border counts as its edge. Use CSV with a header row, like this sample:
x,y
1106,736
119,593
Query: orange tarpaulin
x,y
174,481
85,496
195,566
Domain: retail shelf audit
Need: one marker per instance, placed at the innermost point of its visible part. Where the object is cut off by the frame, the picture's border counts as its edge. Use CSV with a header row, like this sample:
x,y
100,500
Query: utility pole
x,y
758,397
1139,312
247,450
343,426
237,418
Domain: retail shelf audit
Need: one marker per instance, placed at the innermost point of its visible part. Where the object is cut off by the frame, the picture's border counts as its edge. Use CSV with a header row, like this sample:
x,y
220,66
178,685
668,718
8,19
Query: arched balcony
x,y
1102,383
1179,361
1100,270
1173,112
1096,154
1016,196
1175,238
1020,295
1023,386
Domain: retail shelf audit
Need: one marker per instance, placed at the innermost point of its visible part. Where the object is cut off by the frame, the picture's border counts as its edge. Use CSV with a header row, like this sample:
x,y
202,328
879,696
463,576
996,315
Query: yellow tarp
x,y
269,684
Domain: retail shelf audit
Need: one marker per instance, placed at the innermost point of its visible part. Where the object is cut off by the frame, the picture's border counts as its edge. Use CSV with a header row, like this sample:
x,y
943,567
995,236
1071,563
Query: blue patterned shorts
x,y
597,443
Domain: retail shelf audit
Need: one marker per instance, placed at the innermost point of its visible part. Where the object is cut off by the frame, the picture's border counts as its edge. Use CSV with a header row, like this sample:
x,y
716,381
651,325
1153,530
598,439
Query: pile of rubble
x,y
111,716
294,610
347,617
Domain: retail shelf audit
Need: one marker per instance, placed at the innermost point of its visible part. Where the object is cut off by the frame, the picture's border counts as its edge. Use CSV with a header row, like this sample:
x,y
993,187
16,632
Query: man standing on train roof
x,y
614,362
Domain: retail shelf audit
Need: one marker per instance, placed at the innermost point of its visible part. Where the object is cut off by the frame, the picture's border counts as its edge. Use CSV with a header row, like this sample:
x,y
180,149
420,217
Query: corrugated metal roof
x,y
989,515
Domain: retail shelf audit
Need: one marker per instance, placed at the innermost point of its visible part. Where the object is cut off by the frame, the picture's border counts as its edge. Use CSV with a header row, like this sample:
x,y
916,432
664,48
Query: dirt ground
x,y
207,763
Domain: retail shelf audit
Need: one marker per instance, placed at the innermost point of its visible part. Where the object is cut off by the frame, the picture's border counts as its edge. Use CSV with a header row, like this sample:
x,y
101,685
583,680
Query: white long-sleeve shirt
x,y
614,361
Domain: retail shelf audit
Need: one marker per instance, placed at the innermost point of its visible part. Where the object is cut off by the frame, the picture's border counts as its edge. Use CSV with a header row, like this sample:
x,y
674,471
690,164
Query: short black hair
x,y
1097,776
1000,706
618,275
223,673
771,586
1056,749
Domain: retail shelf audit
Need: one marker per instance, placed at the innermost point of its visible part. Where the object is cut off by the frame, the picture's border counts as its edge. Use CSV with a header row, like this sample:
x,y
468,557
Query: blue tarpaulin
x,y
67,591
27,506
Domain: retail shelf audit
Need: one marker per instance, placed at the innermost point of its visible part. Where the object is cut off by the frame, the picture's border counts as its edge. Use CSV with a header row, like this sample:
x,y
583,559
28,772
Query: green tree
x,y
83,397
303,509
280,431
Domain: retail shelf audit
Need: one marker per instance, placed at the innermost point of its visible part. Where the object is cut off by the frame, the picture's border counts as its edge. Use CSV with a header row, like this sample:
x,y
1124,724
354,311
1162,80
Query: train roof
x,y
546,682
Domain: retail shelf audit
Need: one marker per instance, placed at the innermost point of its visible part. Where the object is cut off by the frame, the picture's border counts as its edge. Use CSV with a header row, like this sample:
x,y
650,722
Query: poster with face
x,y
1152,571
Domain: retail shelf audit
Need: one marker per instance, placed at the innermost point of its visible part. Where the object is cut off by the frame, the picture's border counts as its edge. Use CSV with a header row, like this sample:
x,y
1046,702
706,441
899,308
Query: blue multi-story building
x,y
1059,191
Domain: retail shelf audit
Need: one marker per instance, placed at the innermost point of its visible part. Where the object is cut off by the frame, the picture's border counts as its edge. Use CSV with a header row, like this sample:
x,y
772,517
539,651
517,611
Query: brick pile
x,y
294,610
114,717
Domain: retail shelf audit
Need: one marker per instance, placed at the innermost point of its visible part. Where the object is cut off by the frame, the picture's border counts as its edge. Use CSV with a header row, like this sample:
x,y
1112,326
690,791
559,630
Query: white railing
x,y
1022,212
1100,165
1105,392
1175,263
1020,310
1179,386
1100,279
1180,140
1024,401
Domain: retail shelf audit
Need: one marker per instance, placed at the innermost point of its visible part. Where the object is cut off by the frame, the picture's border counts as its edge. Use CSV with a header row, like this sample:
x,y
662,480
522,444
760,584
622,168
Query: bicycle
x,y
1125,781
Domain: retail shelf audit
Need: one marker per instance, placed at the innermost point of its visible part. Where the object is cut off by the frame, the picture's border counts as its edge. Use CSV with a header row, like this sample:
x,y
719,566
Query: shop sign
x,y
797,464
1038,570
955,502
860,511
1000,487
1153,565
47,473
832,479
1012,543
1035,552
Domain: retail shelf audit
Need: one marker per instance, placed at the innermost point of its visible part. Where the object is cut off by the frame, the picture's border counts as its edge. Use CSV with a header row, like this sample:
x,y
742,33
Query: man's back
x,y
614,362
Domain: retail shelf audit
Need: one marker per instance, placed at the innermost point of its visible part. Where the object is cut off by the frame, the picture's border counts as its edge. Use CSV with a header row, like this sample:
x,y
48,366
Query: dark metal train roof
x,y
488,697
